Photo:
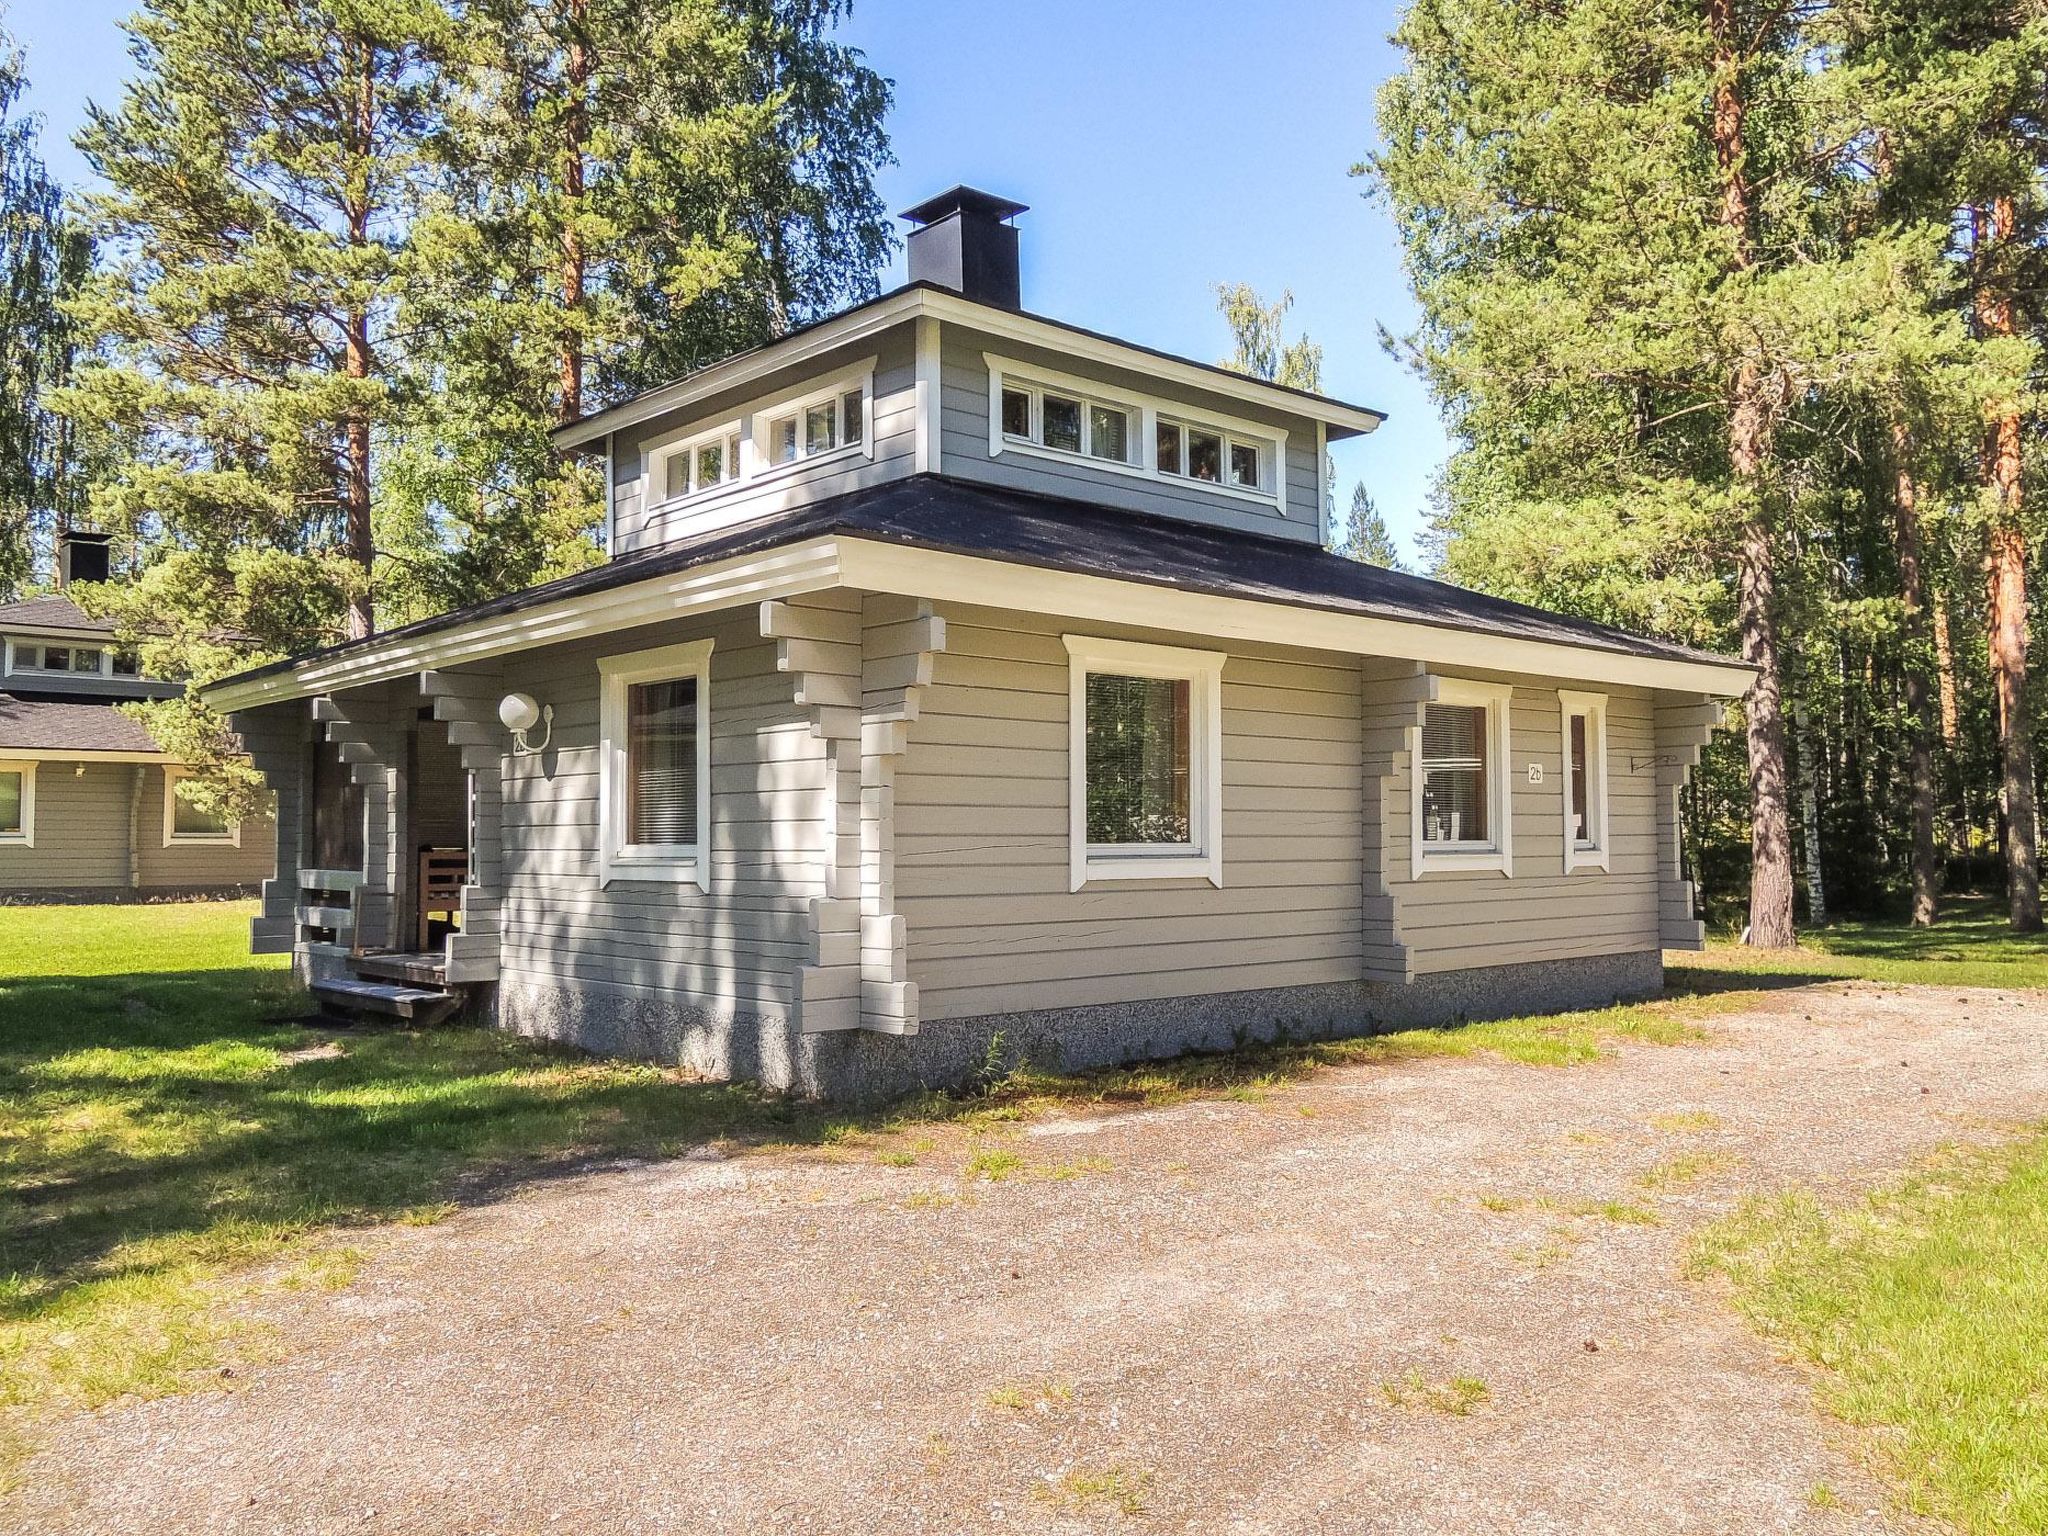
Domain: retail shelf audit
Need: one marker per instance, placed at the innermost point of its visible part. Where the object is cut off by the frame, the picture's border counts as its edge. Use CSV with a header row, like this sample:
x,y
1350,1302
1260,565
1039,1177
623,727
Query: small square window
x,y
821,428
1062,423
127,664
1168,446
1109,433
1205,455
853,408
189,820
1016,413
1244,465
56,658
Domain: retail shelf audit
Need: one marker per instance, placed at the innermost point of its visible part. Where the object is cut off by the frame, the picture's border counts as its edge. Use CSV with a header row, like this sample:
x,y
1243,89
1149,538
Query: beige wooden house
x,y
960,676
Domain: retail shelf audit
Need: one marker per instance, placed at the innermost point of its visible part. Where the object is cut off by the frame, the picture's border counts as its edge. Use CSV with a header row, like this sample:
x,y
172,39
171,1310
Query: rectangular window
x,y
187,822
1462,805
1205,456
782,445
853,411
1145,739
1109,433
1062,418
13,804
821,428
1017,413
693,467
1168,445
1584,719
1139,756
829,421
127,664
654,791
1244,466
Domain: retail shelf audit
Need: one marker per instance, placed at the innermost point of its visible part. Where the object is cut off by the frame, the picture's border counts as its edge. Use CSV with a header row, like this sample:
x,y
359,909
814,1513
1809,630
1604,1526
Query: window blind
x,y
1139,769
661,763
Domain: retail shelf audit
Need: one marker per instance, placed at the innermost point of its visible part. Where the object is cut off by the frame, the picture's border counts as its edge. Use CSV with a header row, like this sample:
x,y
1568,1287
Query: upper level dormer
x,y
951,375
49,646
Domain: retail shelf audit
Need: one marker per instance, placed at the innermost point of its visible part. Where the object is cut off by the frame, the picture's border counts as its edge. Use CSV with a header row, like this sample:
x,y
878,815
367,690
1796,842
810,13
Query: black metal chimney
x,y
83,556
962,242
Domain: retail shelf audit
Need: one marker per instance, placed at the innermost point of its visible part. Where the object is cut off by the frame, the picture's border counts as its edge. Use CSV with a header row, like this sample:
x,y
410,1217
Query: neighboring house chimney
x,y
83,556
963,243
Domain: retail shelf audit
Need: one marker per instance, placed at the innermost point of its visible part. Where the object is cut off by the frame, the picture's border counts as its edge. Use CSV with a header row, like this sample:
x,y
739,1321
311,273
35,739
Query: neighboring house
x,y
962,682
89,807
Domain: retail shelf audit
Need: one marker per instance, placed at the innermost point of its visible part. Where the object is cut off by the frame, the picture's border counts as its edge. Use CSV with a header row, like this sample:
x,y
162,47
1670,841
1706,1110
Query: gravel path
x,y
1197,1311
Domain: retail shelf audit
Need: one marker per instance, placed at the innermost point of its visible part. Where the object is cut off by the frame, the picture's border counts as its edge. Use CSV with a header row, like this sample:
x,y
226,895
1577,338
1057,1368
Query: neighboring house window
x,y
57,658
700,463
1067,420
127,664
1145,744
1585,780
18,805
1036,410
655,765
1461,809
185,822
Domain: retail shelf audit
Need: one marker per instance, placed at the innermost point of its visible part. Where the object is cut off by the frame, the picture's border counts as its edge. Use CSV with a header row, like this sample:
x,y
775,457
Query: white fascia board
x,y
857,325
878,567
806,567
925,303
78,755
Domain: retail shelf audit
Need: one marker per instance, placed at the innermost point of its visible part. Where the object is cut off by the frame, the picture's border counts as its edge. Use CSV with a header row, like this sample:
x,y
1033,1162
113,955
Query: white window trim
x,y
1498,854
750,420
1203,671
1148,408
15,665
26,837
174,838
1594,707
616,860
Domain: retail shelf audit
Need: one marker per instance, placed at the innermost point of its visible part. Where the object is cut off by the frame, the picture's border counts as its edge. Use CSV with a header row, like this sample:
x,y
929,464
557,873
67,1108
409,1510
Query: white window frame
x,y
1595,853
26,837
1203,672
730,433
232,837
1149,410
750,422
835,389
1497,853
15,664
617,860
1038,386
1269,455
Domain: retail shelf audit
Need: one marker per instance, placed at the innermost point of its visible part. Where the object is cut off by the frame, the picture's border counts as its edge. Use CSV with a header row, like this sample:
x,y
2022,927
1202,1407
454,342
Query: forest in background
x,y
1733,308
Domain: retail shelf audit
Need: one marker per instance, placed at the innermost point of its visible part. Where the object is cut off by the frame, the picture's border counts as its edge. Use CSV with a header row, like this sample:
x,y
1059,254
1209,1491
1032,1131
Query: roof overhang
x,y
77,755
893,309
879,565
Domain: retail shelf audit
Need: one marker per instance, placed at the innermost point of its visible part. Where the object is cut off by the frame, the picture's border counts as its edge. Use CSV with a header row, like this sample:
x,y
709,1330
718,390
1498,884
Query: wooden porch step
x,y
416,1005
421,970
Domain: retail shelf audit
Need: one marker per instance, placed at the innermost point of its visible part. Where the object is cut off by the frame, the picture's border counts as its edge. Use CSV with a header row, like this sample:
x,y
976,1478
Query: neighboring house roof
x,y
53,614
939,513
921,297
53,726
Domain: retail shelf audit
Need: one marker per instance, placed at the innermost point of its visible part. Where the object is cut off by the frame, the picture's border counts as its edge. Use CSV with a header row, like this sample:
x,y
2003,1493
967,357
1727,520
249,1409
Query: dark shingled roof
x,y
52,613
49,725
1057,533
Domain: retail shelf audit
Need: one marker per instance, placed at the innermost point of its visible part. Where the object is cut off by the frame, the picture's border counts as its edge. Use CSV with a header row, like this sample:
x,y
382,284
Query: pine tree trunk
x,y
1945,670
2006,583
1913,599
1770,888
1809,817
356,365
575,137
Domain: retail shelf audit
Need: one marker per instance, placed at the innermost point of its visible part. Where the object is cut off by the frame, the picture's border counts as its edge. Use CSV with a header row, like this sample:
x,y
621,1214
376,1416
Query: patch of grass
x,y
1970,946
1080,1167
1620,1213
1684,1170
898,1159
1685,1121
993,1164
1037,1396
1457,1396
1925,1310
1080,1489
932,1200
1821,1496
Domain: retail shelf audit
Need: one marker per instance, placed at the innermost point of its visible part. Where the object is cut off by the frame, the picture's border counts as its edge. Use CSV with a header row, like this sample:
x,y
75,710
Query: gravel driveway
x,y
1220,1317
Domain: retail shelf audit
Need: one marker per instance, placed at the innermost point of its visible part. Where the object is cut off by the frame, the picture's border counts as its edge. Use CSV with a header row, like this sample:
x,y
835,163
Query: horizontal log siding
x,y
200,864
81,830
639,524
1457,919
981,835
964,426
735,948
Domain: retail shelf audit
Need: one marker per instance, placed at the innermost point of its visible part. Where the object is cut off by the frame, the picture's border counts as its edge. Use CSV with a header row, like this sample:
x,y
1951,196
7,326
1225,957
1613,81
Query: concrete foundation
x,y
859,1067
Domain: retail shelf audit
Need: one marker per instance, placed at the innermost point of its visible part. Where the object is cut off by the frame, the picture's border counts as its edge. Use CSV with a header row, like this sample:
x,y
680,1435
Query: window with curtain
x,y
661,763
1454,769
1139,771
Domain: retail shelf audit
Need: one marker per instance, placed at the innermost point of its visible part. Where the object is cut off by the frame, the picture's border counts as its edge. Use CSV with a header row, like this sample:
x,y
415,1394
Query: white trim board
x,y
1593,706
1498,852
617,860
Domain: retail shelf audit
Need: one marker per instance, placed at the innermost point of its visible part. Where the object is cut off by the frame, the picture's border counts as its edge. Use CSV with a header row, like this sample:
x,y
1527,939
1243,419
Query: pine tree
x,y
42,260
1365,537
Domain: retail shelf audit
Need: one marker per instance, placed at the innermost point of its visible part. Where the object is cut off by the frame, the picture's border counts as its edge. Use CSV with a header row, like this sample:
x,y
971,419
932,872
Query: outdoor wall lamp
x,y
519,714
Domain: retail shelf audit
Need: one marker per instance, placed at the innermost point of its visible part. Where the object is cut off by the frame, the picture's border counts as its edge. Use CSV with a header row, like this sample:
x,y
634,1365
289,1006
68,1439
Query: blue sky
x,y
1163,148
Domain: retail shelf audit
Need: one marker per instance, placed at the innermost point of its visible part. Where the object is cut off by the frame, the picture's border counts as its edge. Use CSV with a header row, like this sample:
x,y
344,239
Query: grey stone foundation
x,y
867,1068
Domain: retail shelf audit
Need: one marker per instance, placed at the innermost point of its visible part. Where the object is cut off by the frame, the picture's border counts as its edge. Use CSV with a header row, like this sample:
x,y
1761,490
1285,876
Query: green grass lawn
x,y
1970,947
1926,1310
